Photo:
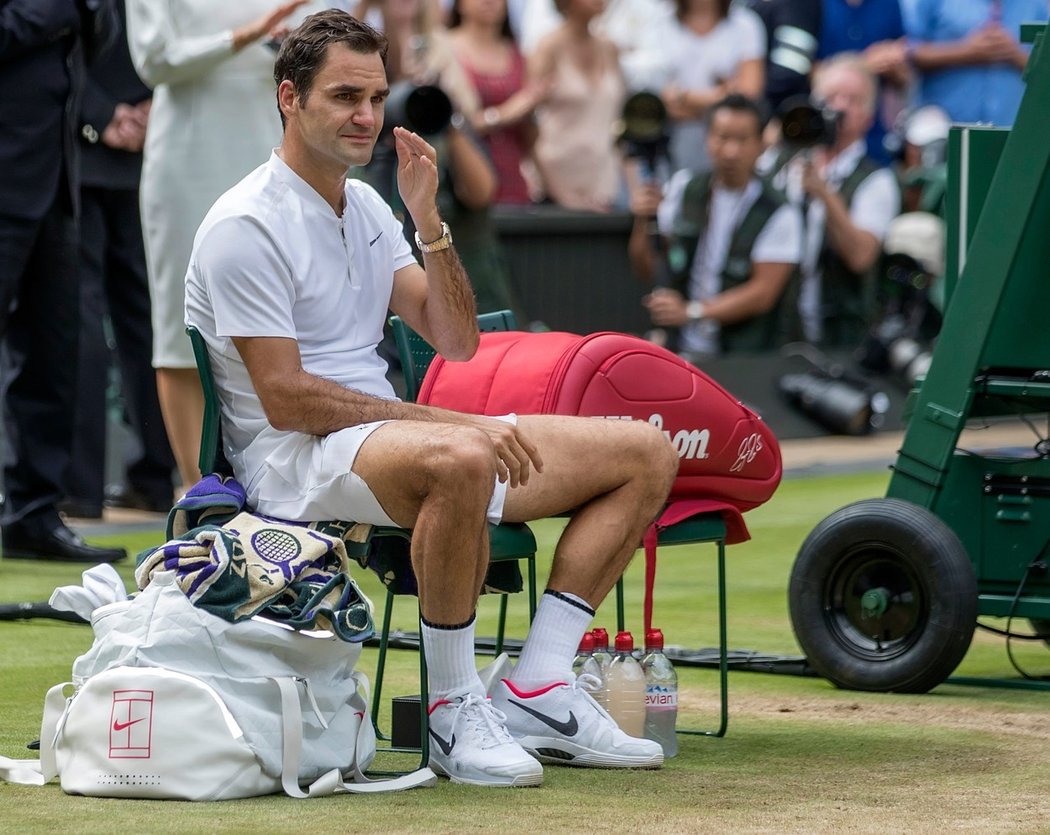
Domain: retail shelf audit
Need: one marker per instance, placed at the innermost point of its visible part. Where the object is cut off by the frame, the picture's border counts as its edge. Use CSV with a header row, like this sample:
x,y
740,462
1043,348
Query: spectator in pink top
x,y
483,44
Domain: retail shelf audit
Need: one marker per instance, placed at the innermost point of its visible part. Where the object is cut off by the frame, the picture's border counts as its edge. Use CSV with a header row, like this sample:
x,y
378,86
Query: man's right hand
x,y
516,455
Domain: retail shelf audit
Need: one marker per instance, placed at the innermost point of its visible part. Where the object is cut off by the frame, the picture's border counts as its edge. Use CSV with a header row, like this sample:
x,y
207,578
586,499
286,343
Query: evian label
x,y
688,443
657,698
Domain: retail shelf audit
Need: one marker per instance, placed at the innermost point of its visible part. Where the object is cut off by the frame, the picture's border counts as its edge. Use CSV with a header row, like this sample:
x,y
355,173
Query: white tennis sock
x,y
450,659
561,619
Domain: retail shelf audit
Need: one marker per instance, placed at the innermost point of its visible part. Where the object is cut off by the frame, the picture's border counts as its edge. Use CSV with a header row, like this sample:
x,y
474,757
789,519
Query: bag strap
x,y
38,772
331,782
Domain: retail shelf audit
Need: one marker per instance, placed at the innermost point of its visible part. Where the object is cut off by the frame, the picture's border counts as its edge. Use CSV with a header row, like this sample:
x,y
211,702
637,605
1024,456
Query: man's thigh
x,y
400,460
583,457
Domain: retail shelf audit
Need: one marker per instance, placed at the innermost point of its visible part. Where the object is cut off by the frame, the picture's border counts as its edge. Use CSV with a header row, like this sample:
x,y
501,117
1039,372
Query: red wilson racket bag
x,y
729,458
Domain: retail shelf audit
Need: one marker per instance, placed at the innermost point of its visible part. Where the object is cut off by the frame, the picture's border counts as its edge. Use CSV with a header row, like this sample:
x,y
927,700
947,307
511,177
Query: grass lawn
x,y
800,755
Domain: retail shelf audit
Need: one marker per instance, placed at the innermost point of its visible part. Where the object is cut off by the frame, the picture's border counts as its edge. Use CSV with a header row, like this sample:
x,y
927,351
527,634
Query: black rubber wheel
x,y
883,597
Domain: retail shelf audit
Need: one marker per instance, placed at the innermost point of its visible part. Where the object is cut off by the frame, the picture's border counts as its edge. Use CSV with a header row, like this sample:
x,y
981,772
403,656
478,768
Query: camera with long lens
x,y
424,109
891,347
643,129
807,124
899,343
838,402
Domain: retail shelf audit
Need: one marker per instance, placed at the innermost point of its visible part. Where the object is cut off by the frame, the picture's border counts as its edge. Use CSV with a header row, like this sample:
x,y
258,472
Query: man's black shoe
x,y
124,495
59,544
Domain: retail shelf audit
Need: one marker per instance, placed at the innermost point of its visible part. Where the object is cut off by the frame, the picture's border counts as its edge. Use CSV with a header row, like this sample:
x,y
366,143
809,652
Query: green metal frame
x,y
992,354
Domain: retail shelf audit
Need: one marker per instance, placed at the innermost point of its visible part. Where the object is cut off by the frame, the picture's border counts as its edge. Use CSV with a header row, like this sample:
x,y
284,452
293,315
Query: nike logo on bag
x,y
376,238
568,727
120,726
445,746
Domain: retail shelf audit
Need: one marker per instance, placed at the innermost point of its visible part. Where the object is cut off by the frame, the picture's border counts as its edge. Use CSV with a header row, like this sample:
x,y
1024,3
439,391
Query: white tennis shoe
x,y
562,723
470,743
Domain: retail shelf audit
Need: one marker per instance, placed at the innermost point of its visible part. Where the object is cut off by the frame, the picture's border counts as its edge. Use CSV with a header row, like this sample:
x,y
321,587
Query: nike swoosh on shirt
x,y
376,238
568,727
120,726
446,746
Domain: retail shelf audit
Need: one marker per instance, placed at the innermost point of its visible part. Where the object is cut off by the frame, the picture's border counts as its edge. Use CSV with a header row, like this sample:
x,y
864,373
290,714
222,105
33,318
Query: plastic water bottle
x,y
661,694
587,664
625,685
601,649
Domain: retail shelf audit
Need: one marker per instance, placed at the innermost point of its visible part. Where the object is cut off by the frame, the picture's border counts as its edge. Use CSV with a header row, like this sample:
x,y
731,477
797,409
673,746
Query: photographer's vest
x,y
762,332
847,298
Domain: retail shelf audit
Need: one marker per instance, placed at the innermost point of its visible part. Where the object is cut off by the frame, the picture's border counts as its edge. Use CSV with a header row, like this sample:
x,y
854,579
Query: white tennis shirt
x,y
272,258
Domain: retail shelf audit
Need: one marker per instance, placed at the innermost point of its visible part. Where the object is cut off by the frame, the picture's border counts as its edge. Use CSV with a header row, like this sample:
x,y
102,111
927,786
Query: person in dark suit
x,y
43,48
113,114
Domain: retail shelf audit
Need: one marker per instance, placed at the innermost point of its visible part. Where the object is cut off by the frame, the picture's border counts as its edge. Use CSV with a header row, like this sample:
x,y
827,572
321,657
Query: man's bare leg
x,y
438,479
615,474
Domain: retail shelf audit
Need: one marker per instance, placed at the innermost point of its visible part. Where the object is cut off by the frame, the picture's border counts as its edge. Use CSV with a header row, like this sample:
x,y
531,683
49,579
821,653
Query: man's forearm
x,y
316,406
855,246
449,312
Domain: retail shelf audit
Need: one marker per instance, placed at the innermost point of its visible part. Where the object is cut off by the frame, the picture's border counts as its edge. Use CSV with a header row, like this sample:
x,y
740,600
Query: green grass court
x,y
800,755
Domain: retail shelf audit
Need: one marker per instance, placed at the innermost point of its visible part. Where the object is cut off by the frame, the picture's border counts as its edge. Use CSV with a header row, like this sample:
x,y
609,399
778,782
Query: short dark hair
x,y
739,103
682,9
303,50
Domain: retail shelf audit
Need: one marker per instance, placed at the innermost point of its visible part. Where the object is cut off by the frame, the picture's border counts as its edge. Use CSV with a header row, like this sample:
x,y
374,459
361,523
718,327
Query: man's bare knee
x,y
461,462
653,456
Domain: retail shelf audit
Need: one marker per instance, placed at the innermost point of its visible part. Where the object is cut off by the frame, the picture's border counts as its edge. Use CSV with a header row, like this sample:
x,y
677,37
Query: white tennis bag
x,y
173,702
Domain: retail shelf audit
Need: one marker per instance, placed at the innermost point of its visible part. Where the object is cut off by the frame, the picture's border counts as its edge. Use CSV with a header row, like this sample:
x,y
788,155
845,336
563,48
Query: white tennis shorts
x,y
309,478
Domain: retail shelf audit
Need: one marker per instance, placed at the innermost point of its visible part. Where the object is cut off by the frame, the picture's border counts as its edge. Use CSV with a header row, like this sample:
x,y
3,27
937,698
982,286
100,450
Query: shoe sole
x,y
520,782
561,752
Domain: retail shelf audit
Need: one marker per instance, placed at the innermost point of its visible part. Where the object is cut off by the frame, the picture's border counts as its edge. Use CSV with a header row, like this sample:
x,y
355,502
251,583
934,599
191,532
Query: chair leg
x,y
723,651
384,639
501,627
620,621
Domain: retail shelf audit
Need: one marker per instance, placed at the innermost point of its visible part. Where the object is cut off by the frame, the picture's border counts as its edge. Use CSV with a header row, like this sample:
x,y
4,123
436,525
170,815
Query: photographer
x,y
732,243
848,201
467,186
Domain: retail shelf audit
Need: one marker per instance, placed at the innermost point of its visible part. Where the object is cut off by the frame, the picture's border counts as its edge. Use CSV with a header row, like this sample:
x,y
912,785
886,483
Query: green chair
x,y
707,528
508,542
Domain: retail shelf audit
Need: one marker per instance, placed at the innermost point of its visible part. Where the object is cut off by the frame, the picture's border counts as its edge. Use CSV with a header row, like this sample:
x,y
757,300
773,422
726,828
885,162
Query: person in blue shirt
x,y
874,29
969,55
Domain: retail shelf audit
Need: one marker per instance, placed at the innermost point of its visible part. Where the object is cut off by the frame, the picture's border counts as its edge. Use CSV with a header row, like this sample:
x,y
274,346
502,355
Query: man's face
x,y
734,144
343,114
846,91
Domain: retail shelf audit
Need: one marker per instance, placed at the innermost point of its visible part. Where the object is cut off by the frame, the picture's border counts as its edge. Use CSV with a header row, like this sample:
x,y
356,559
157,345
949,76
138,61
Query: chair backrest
x,y
211,458
416,354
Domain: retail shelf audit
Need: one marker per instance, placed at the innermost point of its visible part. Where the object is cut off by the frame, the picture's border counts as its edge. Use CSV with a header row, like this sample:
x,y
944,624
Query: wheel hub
x,y
875,604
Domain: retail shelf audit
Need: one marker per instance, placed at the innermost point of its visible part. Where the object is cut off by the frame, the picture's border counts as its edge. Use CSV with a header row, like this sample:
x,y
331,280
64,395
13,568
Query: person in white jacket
x,y
213,118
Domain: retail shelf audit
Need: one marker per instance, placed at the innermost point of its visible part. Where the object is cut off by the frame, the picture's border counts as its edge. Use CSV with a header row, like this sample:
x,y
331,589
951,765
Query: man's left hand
x,y
417,180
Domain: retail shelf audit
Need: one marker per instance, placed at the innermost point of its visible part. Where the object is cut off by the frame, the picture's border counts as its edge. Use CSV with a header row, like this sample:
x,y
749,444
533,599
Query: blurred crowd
x,y
772,153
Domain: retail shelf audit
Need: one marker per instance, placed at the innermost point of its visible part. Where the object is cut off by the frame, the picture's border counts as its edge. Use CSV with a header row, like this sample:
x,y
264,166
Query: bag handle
x,y
38,772
331,782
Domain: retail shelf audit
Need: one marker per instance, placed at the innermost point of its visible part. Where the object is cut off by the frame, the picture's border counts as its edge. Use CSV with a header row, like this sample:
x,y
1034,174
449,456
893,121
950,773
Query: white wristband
x,y
694,311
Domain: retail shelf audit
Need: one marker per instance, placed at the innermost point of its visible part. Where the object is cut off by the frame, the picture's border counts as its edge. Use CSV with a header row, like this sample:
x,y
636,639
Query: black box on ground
x,y
405,722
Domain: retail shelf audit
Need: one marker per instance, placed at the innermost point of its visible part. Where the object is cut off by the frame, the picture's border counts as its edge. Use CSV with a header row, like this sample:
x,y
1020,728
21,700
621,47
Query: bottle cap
x,y
624,642
587,643
654,639
601,638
